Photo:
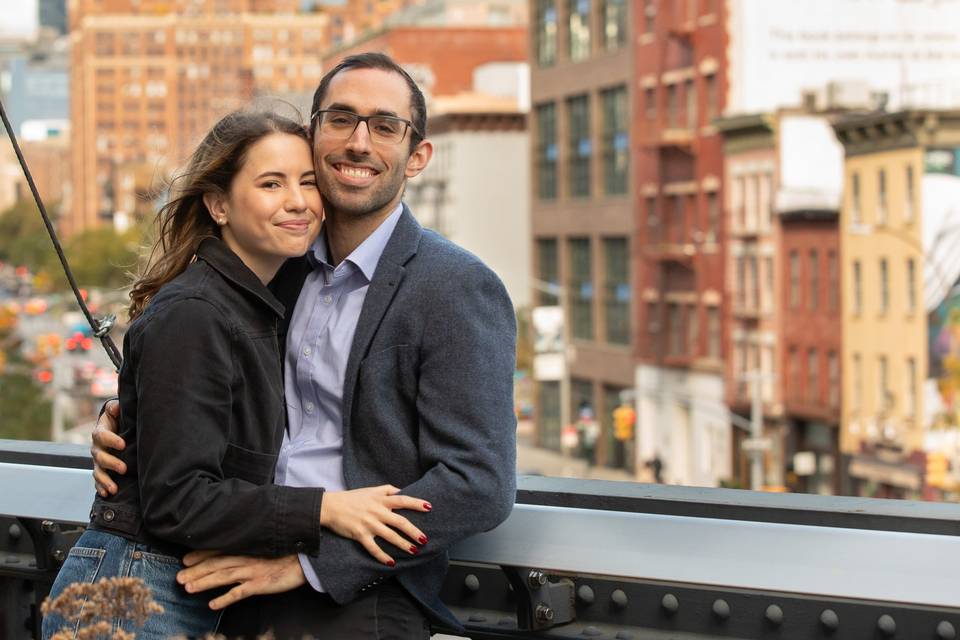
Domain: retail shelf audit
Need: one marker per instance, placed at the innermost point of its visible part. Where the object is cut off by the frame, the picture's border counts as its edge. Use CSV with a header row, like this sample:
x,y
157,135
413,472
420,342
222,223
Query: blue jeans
x,y
99,554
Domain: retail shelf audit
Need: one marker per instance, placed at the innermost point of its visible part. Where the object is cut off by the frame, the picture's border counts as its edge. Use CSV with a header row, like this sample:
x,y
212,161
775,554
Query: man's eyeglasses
x,y
340,125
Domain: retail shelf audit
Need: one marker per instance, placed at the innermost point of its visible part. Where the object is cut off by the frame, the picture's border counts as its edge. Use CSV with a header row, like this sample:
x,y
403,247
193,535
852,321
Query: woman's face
x,y
273,209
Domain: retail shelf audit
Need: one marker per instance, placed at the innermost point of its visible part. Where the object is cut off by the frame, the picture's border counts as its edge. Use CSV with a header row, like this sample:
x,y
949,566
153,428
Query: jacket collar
x,y
218,255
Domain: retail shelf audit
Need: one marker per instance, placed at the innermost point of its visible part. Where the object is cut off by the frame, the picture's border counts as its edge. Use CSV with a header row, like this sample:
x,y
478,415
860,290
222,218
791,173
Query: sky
x,y
23,21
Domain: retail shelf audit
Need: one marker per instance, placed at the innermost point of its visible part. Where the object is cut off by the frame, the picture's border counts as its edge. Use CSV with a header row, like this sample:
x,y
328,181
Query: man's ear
x,y
216,207
418,160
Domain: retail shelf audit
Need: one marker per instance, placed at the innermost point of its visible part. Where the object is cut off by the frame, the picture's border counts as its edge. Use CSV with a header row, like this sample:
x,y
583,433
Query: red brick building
x,y
811,382
442,59
680,67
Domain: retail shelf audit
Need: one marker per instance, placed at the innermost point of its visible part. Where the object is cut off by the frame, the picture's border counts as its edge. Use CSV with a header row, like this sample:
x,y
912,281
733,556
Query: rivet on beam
x,y
619,598
721,609
14,531
774,615
592,631
670,604
830,620
472,582
887,625
945,631
585,594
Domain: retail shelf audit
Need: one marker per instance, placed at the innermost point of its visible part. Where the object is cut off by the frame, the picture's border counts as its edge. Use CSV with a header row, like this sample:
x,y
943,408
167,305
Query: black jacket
x,y
203,415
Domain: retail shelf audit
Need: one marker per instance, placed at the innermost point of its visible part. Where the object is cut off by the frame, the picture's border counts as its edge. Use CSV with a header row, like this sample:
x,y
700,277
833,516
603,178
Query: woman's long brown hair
x,y
183,222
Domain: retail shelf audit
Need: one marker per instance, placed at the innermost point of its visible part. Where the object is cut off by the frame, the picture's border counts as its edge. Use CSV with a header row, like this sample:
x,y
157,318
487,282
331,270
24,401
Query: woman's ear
x,y
216,207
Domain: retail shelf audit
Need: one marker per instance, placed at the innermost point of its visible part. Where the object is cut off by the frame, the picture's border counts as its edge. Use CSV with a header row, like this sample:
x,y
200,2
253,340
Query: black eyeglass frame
x,y
315,118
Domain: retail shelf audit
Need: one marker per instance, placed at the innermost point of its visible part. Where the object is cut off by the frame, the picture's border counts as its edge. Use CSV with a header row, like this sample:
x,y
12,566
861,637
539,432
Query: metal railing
x,y
594,559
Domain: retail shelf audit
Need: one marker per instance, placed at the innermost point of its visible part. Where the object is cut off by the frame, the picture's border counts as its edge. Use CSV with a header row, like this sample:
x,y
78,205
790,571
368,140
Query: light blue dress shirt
x,y
318,345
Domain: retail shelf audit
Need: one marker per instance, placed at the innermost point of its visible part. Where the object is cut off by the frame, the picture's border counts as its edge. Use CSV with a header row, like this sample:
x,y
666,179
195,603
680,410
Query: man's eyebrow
x,y
339,106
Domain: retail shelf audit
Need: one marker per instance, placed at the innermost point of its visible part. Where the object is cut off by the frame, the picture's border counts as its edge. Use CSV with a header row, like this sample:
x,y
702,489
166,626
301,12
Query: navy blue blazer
x,y
427,406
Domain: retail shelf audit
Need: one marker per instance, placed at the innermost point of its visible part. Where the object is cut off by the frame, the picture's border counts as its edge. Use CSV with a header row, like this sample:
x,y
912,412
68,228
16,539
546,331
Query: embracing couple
x,y
309,415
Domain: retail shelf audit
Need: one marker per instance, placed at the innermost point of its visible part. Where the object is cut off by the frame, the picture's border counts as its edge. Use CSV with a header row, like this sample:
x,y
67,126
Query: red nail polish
x,y
427,506
413,550
391,563
423,539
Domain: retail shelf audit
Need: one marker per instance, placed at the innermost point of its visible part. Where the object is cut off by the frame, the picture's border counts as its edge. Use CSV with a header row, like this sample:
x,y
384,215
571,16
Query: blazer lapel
x,y
386,281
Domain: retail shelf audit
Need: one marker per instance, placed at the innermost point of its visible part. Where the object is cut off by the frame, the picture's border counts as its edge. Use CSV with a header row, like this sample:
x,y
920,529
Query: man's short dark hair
x,y
372,60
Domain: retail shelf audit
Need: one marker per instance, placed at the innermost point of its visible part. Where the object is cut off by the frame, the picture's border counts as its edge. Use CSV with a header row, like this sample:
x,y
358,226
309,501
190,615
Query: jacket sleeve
x,y
467,431
184,374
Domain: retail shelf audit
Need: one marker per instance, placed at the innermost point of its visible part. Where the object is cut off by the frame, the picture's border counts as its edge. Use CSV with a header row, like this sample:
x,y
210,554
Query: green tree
x,y
25,412
100,258
23,236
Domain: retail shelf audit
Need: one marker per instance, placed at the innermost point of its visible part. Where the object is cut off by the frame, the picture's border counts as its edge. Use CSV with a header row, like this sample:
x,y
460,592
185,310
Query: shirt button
x,y
328,299
307,351
308,407
301,546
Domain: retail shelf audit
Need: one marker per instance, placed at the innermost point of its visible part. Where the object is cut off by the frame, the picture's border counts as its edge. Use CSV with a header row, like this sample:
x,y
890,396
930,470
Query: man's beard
x,y
346,201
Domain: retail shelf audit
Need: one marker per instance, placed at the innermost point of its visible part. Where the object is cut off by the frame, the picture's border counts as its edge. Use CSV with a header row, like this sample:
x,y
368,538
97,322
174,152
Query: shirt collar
x,y
367,255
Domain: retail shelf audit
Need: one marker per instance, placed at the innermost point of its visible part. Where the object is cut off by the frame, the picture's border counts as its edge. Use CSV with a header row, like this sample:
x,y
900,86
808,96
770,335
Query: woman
x,y
201,391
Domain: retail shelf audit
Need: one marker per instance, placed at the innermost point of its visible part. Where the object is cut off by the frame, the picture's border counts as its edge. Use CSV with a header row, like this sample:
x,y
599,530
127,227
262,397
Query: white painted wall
x,y
805,184
682,418
485,206
779,48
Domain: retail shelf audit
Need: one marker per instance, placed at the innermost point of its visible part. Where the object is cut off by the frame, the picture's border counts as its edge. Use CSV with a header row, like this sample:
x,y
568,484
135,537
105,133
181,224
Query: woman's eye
x,y
309,183
273,184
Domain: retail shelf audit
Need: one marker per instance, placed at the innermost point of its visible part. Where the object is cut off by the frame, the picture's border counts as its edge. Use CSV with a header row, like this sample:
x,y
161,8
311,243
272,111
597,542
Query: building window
x,y
856,210
581,288
614,14
911,391
693,330
546,32
713,217
654,226
548,272
713,107
910,196
675,329
546,116
616,151
814,292
617,290
768,284
794,279
713,333
650,103
741,292
795,382
911,285
580,147
857,288
833,299
883,388
754,283
856,399
813,377
548,414
881,197
691,95
884,286
649,15
673,112
579,29
833,373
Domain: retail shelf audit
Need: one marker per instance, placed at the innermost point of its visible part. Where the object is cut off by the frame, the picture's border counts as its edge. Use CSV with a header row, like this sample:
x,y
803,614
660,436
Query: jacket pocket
x,y
248,465
392,367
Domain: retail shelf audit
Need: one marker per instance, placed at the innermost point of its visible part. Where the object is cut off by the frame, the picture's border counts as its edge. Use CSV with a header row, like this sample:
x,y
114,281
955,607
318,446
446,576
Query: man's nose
x,y
359,141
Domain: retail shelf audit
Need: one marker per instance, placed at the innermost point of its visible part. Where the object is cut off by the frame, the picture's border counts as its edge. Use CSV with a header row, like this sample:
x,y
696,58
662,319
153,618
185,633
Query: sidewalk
x,y
533,460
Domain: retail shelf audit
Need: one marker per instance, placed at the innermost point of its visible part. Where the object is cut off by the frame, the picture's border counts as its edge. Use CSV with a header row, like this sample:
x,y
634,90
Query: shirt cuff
x,y
310,573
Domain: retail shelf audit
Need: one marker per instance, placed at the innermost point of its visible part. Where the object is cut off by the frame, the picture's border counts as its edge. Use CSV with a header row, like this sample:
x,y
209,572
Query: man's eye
x,y
341,120
387,126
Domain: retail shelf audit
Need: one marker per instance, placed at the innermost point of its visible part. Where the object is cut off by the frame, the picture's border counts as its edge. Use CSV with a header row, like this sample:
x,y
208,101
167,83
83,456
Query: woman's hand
x,y
368,513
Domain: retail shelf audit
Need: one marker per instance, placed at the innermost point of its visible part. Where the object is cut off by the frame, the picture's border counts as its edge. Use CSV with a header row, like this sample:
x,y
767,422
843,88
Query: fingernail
x,y
414,550
391,563
422,539
427,506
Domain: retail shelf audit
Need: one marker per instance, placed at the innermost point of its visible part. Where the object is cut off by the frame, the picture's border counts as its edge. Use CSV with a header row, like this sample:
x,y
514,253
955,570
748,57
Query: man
x,y
399,368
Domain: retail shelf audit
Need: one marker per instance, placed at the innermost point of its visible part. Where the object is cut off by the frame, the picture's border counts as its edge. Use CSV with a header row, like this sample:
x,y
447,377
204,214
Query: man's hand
x,y
253,576
105,440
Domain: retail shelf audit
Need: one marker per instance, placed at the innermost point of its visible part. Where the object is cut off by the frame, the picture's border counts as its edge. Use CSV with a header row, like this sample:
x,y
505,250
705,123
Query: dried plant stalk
x,y
91,608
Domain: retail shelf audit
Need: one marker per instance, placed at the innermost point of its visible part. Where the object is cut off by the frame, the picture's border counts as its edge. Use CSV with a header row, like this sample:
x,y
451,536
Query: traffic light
x,y
624,418
936,469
